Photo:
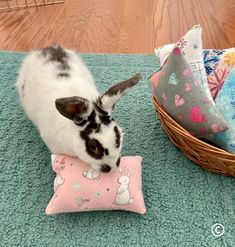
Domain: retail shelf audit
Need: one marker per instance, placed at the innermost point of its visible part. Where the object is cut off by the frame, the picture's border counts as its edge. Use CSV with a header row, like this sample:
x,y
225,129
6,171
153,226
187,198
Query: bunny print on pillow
x,y
80,190
60,97
123,194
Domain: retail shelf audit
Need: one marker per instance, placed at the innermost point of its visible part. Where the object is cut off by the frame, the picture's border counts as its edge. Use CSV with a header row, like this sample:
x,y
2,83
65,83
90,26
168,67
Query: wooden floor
x,y
117,26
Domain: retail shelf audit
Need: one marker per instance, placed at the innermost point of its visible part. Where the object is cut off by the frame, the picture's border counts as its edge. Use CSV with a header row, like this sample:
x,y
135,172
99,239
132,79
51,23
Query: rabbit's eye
x,y
92,145
95,148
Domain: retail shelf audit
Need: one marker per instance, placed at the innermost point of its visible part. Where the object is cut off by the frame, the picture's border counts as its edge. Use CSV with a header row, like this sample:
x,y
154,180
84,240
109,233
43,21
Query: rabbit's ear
x,y
121,170
113,94
74,108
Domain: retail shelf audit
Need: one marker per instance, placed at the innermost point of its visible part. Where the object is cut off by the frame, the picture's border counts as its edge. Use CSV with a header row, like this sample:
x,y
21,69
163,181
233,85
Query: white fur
x,y
57,182
39,87
91,174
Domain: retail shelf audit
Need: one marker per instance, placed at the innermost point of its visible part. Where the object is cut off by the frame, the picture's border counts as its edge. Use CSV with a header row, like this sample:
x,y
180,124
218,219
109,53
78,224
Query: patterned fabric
x,y
191,47
225,103
179,92
77,187
218,63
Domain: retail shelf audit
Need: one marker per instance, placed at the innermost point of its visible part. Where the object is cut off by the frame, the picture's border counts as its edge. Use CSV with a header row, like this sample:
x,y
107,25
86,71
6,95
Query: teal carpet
x,y
183,201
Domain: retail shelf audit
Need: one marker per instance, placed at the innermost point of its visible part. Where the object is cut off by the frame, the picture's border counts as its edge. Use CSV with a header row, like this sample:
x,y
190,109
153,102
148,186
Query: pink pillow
x,y
79,188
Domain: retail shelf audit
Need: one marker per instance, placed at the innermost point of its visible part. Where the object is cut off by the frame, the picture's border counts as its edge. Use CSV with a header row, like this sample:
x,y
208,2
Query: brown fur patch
x,y
105,168
72,107
63,74
96,150
57,54
118,136
122,86
98,106
118,162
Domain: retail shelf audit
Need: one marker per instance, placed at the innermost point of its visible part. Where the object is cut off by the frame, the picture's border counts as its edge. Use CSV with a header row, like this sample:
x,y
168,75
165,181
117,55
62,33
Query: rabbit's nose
x,y
105,168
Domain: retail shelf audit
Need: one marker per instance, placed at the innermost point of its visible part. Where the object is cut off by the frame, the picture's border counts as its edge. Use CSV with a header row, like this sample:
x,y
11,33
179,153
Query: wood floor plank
x,y
103,30
27,29
169,21
137,29
117,26
72,23
214,16
172,18
33,28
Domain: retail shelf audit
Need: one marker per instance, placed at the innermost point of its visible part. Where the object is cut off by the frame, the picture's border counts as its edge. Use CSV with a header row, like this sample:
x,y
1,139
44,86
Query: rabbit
x,y
59,95
123,194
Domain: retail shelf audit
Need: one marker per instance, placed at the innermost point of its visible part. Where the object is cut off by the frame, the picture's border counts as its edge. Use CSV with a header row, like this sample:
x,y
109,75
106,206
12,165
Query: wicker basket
x,y
209,157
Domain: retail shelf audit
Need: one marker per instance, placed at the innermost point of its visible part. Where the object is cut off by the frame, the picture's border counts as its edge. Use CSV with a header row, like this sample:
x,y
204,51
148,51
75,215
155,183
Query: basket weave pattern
x,y
209,157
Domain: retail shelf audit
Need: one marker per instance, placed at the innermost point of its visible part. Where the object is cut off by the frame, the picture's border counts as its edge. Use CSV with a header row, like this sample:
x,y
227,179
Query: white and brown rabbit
x,y
59,95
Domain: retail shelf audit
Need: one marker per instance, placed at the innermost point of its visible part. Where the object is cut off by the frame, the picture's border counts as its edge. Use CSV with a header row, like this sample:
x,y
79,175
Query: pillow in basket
x,y
178,91
225,103
218,63
79,188
191,47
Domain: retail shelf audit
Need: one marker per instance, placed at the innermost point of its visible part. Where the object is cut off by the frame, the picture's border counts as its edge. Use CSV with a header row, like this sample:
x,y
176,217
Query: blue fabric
x,y
211,59
225,103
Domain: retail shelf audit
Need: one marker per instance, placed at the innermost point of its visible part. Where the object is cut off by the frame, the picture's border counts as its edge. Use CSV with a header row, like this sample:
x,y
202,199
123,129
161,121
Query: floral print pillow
x,y
218,63
77,187
178,91
191,48
225,103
